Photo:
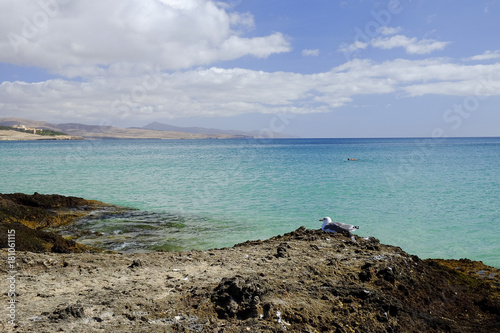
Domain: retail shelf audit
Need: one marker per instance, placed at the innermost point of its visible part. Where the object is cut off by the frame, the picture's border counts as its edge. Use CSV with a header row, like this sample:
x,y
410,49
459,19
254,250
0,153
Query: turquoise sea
x,y
432,197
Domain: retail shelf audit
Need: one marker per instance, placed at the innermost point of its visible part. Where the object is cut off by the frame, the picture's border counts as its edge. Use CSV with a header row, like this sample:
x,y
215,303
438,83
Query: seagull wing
x,y
345,226
332,227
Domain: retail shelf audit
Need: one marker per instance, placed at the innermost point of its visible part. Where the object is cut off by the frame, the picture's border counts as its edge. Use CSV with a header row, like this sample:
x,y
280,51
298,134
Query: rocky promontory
x,y
303,281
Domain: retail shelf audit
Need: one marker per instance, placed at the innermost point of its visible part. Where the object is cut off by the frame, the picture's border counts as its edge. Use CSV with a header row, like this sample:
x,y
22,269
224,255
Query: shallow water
x,y
433,198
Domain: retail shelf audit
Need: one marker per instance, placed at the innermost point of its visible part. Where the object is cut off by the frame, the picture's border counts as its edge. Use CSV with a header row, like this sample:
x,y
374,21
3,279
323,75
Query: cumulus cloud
x,y
150,59
150,93
64,36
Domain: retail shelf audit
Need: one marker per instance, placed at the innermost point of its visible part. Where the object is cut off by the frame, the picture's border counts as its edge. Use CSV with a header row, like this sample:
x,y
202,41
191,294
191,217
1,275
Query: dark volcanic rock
x,y
239,297
34,240
39,211
64,312
28,215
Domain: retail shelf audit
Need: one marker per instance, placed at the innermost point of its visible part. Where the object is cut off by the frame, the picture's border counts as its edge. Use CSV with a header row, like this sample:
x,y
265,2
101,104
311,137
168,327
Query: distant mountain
x,y
156,126
82,127
154,130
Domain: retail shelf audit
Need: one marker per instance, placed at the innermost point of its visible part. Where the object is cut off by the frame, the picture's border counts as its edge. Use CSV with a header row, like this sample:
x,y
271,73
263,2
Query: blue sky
x,y
314,68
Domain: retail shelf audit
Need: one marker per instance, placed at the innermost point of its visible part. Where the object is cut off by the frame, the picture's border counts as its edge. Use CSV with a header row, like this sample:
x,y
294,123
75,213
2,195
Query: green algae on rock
x,y
29,215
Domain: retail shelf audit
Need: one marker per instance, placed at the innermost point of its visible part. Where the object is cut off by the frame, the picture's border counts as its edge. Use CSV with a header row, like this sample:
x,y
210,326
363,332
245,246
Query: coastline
x,y
113,134
306,280
8,135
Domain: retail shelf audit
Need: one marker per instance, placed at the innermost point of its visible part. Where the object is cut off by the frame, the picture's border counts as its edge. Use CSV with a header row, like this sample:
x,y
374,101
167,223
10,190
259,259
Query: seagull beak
x,y
321,220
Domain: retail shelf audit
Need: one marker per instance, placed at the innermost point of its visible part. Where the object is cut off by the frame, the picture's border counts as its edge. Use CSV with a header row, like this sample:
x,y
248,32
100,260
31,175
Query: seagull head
x,y
326,220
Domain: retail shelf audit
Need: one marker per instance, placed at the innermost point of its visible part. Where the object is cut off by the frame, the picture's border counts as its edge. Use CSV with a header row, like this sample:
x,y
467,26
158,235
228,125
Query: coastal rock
x,y
29,215
239,297
303,281
65,312
27,239
40,211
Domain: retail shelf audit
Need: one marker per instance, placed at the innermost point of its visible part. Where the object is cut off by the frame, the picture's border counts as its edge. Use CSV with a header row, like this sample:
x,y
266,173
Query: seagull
x,y
330,226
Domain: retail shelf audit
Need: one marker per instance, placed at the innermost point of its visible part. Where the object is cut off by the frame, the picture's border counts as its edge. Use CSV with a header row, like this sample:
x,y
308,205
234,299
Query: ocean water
x,y
435,198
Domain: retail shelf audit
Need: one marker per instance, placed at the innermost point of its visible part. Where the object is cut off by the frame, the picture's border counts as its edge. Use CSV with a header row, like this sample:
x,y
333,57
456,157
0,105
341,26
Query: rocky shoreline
x,y
303,281
31,215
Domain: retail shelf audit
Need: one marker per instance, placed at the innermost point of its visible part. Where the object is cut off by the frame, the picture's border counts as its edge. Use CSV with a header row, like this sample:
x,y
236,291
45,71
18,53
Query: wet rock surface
x,y
40,211
30,215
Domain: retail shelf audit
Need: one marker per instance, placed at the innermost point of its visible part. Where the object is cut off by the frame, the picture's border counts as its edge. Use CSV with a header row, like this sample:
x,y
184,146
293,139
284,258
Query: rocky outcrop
x,y
29,215
304,281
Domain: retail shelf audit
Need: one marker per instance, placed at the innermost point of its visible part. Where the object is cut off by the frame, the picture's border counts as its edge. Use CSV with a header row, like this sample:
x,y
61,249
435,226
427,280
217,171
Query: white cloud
x,y
390,30
473,87
313,53
144,60
488,55
175,34
350,48
411,45
128,91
